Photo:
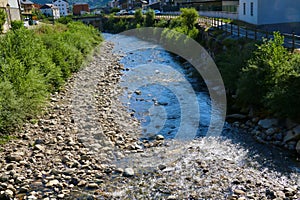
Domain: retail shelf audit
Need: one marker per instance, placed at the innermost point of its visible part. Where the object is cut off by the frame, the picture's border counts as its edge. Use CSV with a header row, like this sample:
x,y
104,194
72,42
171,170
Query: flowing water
x,y
159,109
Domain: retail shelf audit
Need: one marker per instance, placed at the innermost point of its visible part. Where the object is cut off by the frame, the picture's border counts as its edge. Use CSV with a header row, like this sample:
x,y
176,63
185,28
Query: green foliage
x,y
161,23
114,10
65,19
271,79
231,61
189,17
138,16
35,63
185,23
2,19
17,24
150,18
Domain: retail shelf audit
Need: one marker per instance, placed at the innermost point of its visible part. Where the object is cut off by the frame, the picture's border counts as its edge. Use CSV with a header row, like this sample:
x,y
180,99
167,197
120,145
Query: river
x,y
158,107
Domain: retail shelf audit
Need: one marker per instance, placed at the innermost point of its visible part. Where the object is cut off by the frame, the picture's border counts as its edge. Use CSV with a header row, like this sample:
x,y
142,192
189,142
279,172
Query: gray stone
x,y
128,172
159,137
268,123
270,131
92,186
81,183
291,135
9,193
298,147
52,183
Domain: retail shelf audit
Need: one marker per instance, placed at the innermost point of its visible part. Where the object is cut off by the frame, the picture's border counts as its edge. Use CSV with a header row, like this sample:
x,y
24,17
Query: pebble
x,y
128,172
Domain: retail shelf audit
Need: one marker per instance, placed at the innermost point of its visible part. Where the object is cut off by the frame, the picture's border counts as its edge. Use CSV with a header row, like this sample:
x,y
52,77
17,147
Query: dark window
x,y
244,8
251,9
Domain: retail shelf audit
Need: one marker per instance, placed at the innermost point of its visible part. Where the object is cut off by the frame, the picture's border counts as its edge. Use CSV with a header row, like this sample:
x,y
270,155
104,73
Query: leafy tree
x,y
189,17
150,18
138,16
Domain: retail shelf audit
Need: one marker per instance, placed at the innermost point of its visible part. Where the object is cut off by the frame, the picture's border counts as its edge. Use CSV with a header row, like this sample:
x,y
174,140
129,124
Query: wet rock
x,y
128,172
159,137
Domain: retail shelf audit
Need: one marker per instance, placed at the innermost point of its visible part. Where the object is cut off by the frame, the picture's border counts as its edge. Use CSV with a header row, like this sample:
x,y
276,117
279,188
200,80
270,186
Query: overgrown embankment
x,y
35,63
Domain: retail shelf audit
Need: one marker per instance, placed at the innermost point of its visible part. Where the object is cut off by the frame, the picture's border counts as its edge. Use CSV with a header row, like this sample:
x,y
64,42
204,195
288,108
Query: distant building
x,y
261,12
281,15
63,7
26,8
81,8
50,10
230,5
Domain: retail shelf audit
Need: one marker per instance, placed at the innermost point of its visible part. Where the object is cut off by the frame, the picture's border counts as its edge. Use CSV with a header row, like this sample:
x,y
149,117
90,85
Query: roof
x,y
60,0
47,6
26,2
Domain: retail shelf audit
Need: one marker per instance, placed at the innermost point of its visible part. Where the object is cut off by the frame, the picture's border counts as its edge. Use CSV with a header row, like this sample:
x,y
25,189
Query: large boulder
x,y
268,123
292,134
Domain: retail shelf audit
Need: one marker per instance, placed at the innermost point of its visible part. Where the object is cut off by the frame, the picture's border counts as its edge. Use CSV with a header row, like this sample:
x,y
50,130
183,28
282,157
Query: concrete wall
x,y
270,11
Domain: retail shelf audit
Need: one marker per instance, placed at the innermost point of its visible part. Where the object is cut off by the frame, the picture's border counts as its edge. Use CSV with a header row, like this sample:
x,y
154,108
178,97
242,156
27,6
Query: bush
x,y
138,16
65,19
17,24
271,79
150,18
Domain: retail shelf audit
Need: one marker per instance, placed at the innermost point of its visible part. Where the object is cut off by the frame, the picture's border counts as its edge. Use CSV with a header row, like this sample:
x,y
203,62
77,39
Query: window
x,y
251,9
244,8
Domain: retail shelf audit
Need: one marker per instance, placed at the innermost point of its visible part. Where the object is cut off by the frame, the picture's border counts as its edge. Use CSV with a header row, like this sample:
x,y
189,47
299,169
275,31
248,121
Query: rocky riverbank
x,y
86,146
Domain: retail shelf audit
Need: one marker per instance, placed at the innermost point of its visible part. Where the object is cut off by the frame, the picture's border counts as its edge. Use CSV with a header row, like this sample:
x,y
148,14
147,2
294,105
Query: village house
x,y
50,10
63,7
81,8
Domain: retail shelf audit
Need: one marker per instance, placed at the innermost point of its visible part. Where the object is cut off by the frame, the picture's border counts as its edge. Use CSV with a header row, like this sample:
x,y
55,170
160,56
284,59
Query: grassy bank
x,y
35,63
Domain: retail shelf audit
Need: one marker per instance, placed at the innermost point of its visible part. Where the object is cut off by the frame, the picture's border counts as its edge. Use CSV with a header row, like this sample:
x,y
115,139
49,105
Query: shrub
x,y
17,24
271,79
138,16
149,19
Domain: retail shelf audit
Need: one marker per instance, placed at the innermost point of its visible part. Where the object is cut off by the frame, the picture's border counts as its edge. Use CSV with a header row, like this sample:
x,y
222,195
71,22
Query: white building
x,y
50,10
63,7
262,12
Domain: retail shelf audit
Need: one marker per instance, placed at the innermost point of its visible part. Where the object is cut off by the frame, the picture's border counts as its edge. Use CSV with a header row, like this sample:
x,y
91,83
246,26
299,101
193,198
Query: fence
x,y
291,41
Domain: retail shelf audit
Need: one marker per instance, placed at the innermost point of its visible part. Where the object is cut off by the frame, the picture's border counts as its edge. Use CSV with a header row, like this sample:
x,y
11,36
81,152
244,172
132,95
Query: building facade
x,y
80,8
261,12
50,10
63,7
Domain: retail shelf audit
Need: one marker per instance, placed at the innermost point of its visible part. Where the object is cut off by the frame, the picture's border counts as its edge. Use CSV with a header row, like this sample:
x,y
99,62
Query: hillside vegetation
x,y
35,63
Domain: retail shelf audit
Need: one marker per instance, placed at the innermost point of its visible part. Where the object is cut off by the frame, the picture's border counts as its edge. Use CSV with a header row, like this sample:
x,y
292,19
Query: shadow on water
x,y
156,99
267,155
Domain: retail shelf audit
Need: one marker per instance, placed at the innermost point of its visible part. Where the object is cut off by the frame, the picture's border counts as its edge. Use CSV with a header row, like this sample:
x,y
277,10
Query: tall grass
x,y
34,63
